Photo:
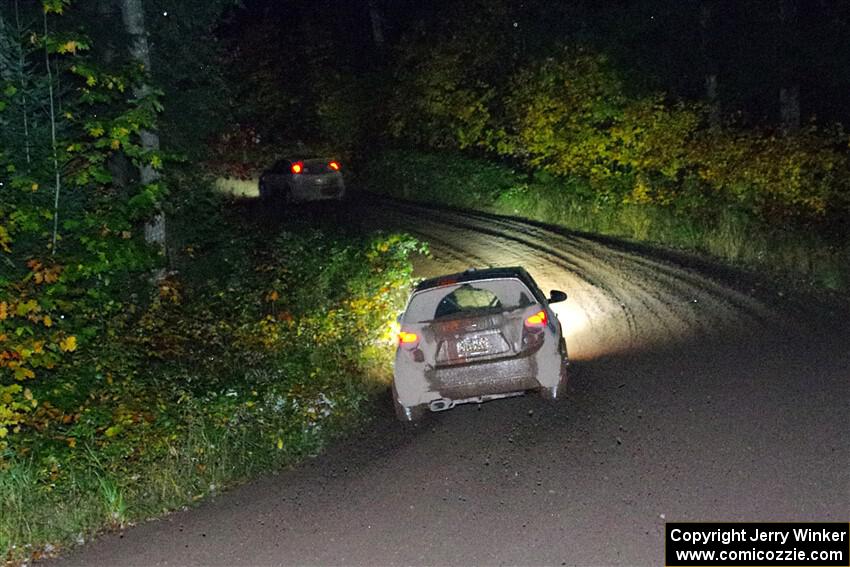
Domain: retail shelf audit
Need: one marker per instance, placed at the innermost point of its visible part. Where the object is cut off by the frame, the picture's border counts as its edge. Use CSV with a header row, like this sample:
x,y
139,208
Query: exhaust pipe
x,y
442,404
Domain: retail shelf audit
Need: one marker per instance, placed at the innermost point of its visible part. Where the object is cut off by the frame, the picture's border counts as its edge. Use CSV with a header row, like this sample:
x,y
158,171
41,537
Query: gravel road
x,y
697,394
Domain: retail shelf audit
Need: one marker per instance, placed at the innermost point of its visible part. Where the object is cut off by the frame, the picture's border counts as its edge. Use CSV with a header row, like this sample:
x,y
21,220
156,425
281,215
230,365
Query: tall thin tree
x,y
22,80
789,88
377,23
133,14
706,21
57,188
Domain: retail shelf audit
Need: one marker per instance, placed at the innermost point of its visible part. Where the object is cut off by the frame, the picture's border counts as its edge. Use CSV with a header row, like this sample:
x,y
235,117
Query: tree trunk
x,y
24,103
57,187
709,62
789,89
377,23
133,14
789,108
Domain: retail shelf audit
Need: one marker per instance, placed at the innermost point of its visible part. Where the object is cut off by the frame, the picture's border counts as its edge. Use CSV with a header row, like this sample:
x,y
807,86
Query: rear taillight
x,y
537,320
408,340
532,335
297,167
334,165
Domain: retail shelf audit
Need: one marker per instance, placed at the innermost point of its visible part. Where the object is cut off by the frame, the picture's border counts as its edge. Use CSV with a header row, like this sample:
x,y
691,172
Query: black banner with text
x,y
758,544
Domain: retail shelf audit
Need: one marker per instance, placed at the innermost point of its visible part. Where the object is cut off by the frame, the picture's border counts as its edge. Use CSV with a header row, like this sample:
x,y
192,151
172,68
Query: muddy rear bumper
x,y
484,378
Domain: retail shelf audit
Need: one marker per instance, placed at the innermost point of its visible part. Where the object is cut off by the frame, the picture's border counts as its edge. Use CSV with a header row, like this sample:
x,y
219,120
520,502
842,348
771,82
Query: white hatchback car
x,y
299,180
475,336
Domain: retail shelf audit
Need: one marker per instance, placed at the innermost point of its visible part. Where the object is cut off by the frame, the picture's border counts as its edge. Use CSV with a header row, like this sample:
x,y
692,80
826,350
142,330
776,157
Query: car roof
x,y
473,275
304,158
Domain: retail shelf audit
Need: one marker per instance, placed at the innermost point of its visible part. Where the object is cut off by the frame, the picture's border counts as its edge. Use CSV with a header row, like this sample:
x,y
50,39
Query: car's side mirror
x,y
556,296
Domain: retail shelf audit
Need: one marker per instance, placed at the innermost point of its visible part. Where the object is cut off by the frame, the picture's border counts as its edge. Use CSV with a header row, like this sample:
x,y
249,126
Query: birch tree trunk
x,y
57,187
133,15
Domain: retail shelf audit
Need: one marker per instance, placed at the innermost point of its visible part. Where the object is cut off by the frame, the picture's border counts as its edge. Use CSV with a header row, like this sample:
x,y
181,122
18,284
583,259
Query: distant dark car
x,y
476,336
299,180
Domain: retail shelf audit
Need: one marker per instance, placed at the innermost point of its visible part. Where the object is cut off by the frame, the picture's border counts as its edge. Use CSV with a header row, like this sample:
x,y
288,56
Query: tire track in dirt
x,y
625,300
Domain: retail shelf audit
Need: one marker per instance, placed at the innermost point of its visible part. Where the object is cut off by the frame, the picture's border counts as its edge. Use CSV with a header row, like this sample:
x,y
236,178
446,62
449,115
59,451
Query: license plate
x,y
473,346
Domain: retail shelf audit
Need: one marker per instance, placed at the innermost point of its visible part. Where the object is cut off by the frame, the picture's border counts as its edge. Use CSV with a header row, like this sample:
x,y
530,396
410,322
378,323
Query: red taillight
x,y
334,165
537,320
408,339
297,167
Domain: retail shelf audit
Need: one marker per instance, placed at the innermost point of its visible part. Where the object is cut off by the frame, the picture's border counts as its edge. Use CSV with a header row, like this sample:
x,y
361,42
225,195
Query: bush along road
x,y
697,393
263,345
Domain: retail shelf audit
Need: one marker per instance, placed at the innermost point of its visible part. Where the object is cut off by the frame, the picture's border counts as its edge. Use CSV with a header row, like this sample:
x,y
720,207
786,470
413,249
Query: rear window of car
x,y
502,294
316,166
467,299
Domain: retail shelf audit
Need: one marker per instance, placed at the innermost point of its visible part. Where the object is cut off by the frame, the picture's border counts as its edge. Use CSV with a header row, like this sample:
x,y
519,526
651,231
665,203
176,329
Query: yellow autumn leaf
x,y
279,444
115,144
68,47
72,442
3,432
27,394
34,186
22,373
48,322
4,310
68,344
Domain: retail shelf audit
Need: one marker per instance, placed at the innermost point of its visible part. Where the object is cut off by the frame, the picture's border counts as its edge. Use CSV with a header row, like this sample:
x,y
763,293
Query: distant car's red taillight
x,y
408,340
537,320
297,167
334,165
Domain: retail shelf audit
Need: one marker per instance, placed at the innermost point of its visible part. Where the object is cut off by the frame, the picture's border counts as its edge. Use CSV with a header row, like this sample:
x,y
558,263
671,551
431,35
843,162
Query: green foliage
x,y
560,115
447,79
573,116
120,398
265,346
187,62
54,298
801,176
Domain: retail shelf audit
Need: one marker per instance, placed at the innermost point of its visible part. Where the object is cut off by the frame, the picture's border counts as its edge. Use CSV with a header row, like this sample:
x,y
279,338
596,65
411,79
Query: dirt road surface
x,y
697,394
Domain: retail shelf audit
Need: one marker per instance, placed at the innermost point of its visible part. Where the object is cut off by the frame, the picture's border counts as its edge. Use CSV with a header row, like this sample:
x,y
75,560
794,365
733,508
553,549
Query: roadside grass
x,y
237,187
266,345
811,254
